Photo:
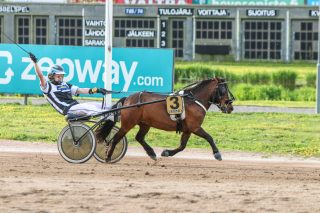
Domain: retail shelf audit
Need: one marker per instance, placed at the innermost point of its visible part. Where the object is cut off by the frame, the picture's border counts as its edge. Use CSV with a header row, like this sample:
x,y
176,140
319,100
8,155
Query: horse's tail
x,y
104,130
105,127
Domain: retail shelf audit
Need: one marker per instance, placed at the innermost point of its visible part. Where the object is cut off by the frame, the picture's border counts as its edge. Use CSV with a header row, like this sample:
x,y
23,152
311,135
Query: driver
x,y
59,93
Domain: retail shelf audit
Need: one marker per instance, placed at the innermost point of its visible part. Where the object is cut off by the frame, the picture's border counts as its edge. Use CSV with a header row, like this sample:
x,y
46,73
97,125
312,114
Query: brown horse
x,y
199,97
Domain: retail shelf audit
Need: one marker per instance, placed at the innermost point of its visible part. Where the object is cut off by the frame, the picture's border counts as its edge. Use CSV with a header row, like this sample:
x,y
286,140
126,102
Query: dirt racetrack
x,y
34,178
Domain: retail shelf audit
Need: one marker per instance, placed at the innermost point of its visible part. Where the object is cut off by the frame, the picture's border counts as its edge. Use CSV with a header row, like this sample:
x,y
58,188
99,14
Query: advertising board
x,y
133,69
313,2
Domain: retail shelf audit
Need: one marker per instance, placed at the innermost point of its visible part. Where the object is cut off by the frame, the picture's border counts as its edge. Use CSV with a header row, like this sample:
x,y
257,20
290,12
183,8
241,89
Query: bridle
x,y
219,93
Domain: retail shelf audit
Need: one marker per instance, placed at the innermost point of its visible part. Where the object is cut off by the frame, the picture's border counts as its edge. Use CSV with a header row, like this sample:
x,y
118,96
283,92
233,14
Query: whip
x,y
5,35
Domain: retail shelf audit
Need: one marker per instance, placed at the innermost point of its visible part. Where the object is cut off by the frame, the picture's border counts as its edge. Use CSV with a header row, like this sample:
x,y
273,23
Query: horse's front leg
x,y
203,134
183,143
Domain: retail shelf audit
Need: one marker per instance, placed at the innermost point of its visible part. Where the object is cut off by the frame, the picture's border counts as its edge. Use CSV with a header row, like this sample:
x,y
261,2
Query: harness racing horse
x,y
198,99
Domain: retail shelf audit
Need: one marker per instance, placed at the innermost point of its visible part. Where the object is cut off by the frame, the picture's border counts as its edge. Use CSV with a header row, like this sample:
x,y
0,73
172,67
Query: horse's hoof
x,y
153,157
165,153
217,156
108,160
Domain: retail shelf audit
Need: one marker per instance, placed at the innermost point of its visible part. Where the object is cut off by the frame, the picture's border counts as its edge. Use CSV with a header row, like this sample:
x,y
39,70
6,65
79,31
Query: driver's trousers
x,y
90,108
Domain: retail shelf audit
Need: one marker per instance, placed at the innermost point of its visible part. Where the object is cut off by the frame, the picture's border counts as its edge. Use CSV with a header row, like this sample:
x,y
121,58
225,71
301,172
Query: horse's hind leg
x,y
140,138
117,137
203,134
183,143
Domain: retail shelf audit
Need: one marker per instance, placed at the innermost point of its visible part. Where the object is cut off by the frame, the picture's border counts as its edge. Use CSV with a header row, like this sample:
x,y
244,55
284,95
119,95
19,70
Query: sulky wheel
x,y
76,151
119,151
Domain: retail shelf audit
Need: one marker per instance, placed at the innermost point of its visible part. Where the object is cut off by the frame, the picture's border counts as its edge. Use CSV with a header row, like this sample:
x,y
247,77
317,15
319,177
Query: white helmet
x,y
55,69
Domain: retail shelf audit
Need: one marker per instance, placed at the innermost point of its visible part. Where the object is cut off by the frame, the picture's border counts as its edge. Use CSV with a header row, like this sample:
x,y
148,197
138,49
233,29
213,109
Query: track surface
x,y
34,178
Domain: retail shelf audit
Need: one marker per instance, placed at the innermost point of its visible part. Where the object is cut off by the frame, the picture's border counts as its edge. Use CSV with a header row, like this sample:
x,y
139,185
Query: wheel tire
x,y
76,153
119,151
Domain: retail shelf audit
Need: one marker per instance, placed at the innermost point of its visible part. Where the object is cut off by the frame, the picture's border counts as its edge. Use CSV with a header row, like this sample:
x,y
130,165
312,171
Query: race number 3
x,y
174,105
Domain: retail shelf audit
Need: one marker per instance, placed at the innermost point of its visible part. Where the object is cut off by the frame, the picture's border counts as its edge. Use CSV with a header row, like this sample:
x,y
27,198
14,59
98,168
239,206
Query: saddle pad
x,y
175,106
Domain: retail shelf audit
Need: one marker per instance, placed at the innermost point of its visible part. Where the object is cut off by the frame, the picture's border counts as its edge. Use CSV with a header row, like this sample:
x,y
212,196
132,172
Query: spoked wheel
x,y
73,151
119,151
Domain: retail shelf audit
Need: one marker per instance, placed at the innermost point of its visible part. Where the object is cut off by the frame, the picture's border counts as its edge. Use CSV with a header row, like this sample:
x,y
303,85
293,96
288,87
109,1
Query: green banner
x,y
255,2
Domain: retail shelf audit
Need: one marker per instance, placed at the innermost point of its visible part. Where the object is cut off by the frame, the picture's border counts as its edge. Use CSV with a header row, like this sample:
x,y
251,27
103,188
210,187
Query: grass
x,y
291,104
270,133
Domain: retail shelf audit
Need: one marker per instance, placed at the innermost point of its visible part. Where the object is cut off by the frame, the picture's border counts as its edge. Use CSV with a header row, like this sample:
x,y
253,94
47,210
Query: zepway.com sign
x,y
132,69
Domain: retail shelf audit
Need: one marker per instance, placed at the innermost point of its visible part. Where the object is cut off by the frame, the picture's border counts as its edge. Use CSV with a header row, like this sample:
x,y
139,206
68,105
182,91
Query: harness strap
x,y
139,99
201,105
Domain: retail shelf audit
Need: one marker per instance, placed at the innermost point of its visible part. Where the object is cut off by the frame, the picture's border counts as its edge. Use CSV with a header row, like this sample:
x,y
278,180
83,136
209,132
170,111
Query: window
x,y
31,30
69,31
139,42
40,30
23,33
123,25
213,29
177,37
306,38
262,39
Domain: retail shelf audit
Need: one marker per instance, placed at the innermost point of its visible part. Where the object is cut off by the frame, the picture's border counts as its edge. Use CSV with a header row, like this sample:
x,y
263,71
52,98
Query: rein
x,y
213,100
144,91
190,85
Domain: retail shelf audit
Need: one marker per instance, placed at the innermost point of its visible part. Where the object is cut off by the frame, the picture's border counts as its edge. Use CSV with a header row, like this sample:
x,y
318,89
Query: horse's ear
x,y
218,79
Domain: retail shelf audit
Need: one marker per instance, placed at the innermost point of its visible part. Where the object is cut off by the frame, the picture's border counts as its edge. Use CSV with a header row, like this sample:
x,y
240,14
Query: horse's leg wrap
x,y
165,153
217,156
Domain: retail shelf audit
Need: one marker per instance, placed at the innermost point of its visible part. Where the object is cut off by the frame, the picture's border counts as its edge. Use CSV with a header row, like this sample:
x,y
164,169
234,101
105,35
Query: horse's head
x,y
222,97
212,91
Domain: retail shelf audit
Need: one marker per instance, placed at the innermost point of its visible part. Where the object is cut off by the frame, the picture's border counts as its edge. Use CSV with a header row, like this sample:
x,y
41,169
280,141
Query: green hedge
x,y
311,79
280,85
285,78
245,92
256,78
189,73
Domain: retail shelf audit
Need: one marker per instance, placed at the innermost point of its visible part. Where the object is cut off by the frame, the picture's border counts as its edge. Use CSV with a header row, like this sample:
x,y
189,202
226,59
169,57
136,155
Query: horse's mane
x,y
197,86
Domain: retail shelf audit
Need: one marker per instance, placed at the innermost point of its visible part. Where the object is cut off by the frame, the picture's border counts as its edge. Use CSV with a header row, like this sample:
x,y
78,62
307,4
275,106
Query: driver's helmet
x,y
55,69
